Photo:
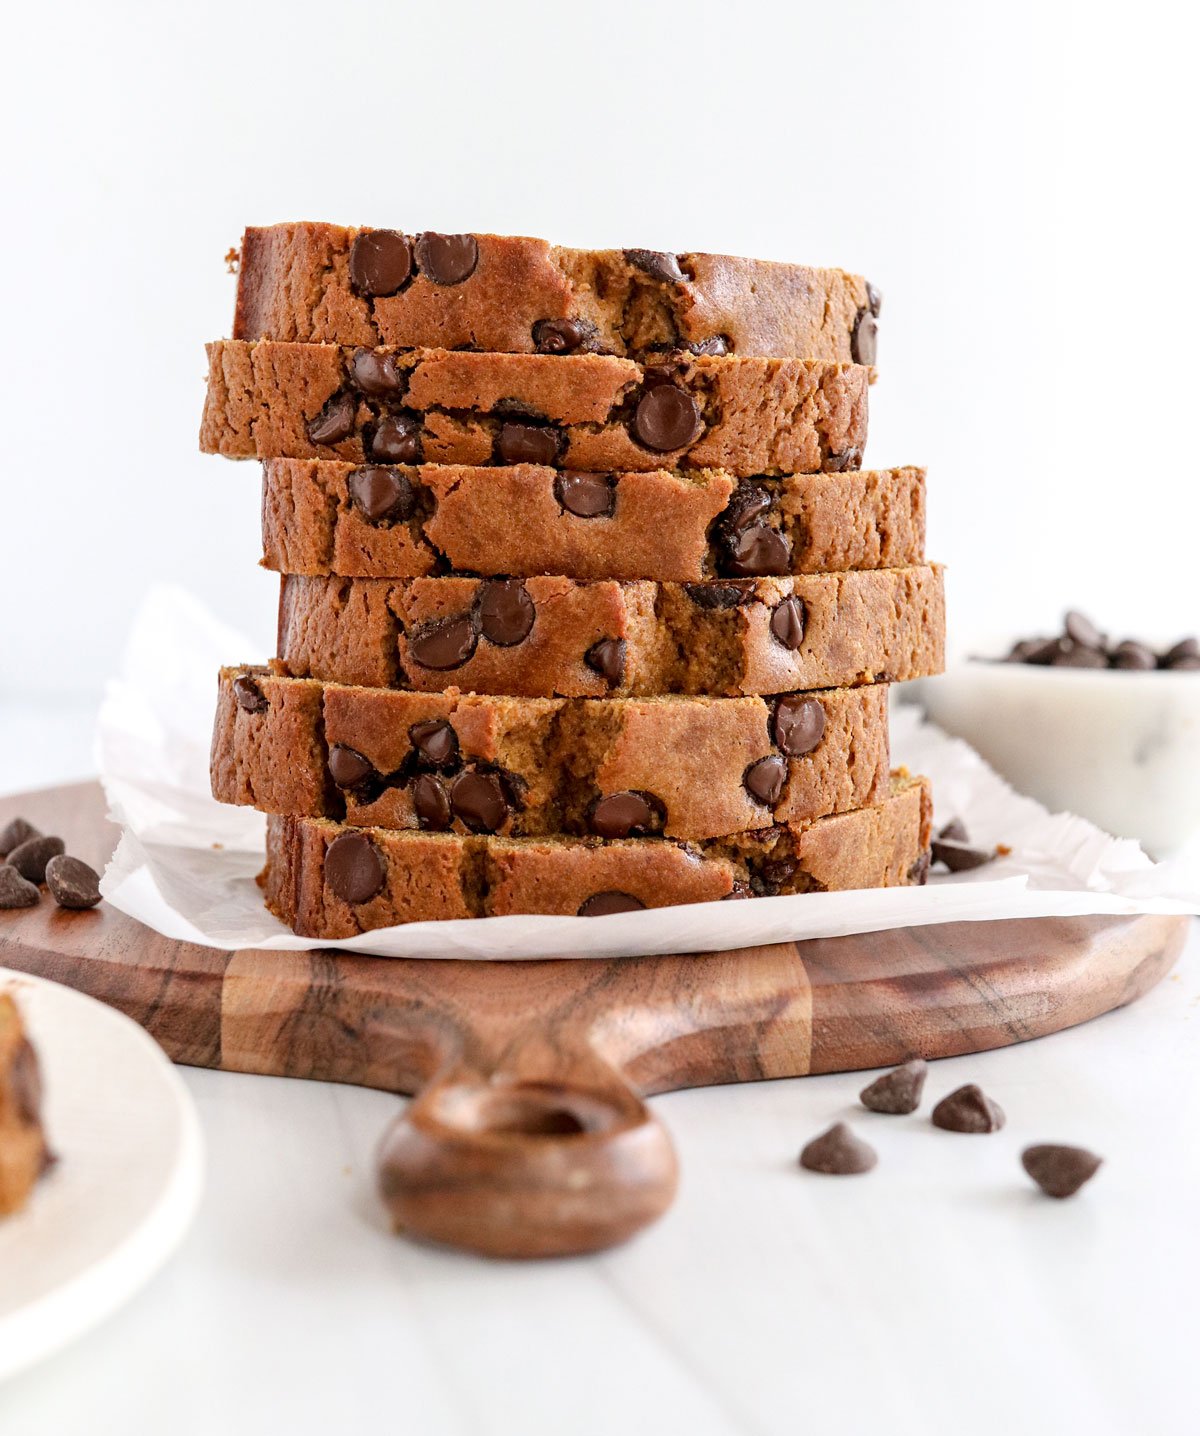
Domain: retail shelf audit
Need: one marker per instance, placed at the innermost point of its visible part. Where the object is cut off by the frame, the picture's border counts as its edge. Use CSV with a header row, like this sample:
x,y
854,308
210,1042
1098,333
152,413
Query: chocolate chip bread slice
x,y
322,517
24,1154
523,767
328,881
556,637
318,401
322,283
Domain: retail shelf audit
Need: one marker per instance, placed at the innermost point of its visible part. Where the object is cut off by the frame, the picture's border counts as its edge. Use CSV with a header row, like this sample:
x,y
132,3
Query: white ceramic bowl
x,y
1119,747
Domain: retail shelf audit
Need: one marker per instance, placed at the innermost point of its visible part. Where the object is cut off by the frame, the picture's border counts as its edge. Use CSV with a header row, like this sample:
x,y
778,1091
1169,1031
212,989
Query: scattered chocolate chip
x,y
667,418
1184,654
444,642
560,336
958,857
838,1153
624,815
354,869
1082,645
1082,630
587,496
764,780
798,725
335,422
1042,651
1060,1171
874,299
382,495
249,694
72,883
719,595
603,904
772,873
712,348
897,1092
447,258
527,444
787,623
26,1075
395,439
376,374
435,740
506,612
1133,655
657,264
348,767
967,1110
918,872
14,834
842,460
480,801
380,263
607,658
30,857
758,552
955,831
16,891
431,802
1072,655
863,338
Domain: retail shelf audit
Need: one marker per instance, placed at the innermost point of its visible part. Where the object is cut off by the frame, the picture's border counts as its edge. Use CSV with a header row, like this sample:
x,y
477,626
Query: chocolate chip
x,y
712,348
958,857
787,623
874,299
603,904
838,1153
587,496
354,869
747,503
506,612
380,263
719,595
758,551
335,422
955,831
435,740
560,336
26,1077
1132,655
14,834
655,374
376,374
480,801
444,642
395,439
918,872
862,337
382,495
607,658
967,1110
737,892
1060,1171
30,857
249,694
897,1092
667,418
348,767
1184,664
1073,655
16,891
1183,654
527,444
1082,631
447,258
764,780
624,815
431,802
657,264
1042,651
798,725
842,460
72,883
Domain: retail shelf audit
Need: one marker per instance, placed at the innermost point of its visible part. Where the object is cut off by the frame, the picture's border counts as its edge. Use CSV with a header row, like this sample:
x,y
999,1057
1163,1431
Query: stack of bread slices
x,y
587,603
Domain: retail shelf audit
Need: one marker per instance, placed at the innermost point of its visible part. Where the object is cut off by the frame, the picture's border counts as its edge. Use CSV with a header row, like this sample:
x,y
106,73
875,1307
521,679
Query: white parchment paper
x,y
186,864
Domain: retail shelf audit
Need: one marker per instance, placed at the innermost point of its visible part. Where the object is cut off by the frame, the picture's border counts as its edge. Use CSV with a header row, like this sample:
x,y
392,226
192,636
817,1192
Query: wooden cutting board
x,y
529,1135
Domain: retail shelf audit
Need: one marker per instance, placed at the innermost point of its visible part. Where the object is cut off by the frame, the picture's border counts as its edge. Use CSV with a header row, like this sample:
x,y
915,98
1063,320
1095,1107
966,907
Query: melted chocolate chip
x,y
335,422
657,264
747,503
380,263
395,439
712,348
764,780
376,374
444,642
787,623
1060,1171
560,336
798,725
348,767
382,495
72,883
967,1109
667,418
527,444
958,857
897,1092
624,815
862,338
758,551
607,658
435,740
249,694
719,595
603,904
431,803
506,612
447,258
480,801
587,496
842,460
354,869
838,1153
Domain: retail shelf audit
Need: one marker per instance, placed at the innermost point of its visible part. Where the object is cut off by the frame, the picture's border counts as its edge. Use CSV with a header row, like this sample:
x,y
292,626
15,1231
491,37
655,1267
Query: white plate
x,y
125,1187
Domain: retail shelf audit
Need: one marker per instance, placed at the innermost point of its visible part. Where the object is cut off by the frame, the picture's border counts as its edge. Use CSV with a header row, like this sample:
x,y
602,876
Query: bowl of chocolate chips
x,y
1109,729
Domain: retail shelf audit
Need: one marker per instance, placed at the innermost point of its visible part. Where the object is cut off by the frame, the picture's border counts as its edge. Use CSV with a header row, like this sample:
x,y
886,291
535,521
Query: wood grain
x,y
529,1135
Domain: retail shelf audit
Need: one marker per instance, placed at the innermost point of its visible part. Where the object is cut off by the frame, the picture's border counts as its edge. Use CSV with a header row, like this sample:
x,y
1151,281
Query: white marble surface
x,y
940,1294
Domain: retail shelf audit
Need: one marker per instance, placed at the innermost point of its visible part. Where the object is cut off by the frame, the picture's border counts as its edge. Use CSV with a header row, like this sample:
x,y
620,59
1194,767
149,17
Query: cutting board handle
x,y
512,1164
